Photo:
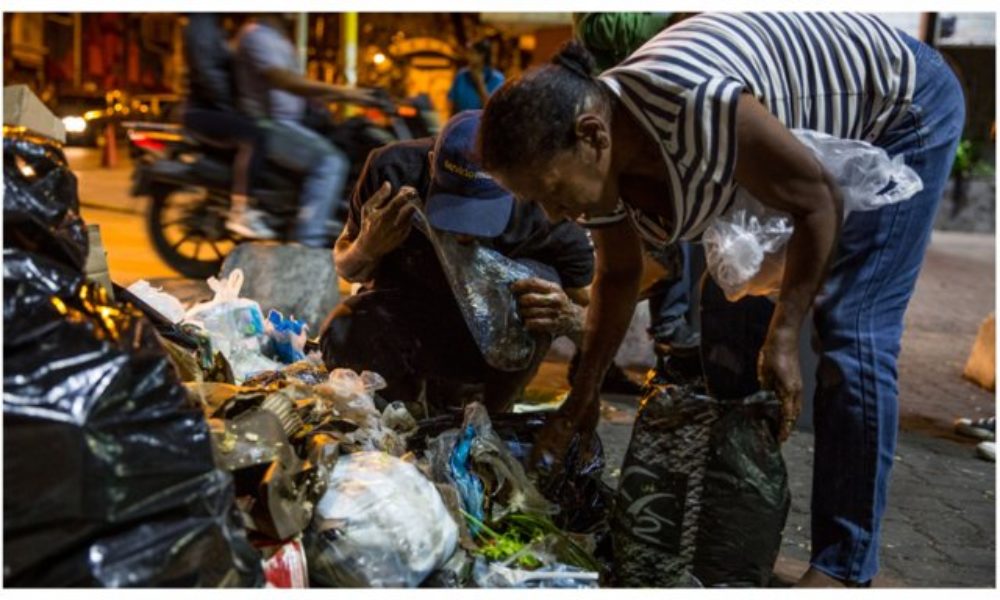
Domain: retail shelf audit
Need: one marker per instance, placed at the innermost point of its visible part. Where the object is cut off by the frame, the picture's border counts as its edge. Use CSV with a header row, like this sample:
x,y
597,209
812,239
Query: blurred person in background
x,y
210,113
273,91
474,83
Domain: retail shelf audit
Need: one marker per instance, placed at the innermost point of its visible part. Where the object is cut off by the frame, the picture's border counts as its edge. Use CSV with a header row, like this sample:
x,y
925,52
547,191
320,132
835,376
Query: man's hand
x,y
545,308
385,223
778,370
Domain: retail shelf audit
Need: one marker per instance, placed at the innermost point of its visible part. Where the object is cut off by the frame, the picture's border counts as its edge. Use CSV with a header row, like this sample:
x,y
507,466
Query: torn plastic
x,y
745,248
703,494
235,326
480,279
160,301
40,204
381,523
113,478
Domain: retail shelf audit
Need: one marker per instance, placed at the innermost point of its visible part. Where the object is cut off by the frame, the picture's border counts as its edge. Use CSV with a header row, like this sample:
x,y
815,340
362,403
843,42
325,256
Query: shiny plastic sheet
x,y
40,204
480,279
108,473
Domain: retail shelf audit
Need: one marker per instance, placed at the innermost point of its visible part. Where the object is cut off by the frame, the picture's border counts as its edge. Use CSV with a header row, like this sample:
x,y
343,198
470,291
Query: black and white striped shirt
x,y
847,75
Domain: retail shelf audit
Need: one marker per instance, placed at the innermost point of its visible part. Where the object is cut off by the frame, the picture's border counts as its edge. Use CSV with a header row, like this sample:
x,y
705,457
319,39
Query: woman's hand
x,y
578,415
778,370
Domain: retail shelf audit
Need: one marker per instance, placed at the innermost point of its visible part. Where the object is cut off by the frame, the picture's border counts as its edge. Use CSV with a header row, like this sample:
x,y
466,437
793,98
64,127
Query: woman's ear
x,y
593,130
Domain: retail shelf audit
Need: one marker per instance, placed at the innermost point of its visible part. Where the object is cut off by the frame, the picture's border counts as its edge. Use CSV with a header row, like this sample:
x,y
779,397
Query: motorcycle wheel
x,y
188,229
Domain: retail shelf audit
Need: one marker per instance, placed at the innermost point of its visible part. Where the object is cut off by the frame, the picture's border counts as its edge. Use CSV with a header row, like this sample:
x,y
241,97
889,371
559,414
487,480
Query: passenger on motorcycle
x,y
271,89
211,115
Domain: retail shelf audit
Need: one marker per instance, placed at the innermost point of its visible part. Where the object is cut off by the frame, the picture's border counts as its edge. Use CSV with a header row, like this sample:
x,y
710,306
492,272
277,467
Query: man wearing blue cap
x,y
405,323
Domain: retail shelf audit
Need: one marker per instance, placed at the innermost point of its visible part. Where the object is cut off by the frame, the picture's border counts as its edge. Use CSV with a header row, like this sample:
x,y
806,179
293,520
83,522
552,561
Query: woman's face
x,y
572,183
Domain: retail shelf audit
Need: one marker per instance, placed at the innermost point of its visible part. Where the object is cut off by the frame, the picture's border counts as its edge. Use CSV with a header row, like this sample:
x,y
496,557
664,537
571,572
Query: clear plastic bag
x,y
350,396
160,301
381,523
235,326
556,575
745,248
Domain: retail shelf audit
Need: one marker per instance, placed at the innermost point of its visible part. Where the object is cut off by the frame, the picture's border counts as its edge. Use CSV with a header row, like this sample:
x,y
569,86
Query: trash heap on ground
x,y
151,444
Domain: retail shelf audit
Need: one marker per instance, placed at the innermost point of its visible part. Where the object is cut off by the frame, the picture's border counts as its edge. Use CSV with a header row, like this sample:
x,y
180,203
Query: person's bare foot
x,y
814,578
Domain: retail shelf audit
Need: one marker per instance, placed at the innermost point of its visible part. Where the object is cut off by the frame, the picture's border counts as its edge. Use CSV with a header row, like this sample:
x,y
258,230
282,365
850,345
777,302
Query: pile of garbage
x,y
151,444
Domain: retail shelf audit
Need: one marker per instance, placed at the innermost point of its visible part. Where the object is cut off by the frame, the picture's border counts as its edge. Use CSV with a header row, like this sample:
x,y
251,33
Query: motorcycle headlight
x,y
75,124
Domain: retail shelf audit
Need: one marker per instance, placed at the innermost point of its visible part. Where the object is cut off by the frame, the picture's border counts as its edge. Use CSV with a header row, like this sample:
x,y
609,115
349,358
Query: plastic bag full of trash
x,y
235,326
745,248
381,523
480,279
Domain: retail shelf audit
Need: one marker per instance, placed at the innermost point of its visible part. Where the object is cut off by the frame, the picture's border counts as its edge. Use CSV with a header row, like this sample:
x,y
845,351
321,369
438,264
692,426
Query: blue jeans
x,y
670,300
859,323
325,168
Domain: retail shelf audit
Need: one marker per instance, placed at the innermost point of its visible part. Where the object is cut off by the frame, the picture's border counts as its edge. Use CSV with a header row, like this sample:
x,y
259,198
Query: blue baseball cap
x,y
462,197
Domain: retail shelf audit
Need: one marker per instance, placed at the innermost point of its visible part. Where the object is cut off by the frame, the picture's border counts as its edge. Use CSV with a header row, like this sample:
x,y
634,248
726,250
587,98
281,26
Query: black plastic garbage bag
x,y
703,495
108,473
40,204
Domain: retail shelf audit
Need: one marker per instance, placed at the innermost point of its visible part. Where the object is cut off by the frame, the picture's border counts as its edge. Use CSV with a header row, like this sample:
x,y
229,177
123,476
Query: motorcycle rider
x,y
272,90
211,114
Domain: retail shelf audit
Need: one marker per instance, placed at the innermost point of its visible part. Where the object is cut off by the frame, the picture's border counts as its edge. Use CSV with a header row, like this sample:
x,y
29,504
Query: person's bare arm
x,y
612,302
783,174
294,83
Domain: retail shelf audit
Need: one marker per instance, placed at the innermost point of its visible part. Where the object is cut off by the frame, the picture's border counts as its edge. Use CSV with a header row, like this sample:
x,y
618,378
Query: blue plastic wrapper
x,y
287,337
470,488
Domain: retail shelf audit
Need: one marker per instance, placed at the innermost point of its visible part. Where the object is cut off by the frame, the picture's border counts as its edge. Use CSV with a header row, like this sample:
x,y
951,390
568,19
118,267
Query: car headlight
x,y
75,124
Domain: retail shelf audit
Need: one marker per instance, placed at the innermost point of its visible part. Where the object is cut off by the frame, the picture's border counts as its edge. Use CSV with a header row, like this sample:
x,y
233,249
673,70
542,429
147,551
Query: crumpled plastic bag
x,y
490,480
110,479
381,523
745,248
349,396
703,495
480,279
582,498
556,575
160,301
235,326
41,210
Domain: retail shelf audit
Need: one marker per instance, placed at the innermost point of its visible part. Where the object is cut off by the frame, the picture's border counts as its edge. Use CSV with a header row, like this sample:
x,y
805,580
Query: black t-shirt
x,y
413,266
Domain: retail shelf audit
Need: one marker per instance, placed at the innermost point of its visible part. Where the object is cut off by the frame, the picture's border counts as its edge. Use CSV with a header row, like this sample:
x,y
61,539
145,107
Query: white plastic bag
x,y
160,301
235,325
380,523
745,248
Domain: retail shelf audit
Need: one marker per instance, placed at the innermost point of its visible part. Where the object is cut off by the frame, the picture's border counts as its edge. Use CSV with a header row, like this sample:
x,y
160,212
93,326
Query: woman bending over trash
x,y
654,149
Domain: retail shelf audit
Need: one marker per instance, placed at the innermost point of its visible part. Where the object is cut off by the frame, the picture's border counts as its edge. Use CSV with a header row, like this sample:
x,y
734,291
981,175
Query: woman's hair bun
x,y
575,57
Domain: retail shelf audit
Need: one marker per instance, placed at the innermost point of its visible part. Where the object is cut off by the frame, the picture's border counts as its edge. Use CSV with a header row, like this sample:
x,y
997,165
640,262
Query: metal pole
x,y
349,46
77,50
302,39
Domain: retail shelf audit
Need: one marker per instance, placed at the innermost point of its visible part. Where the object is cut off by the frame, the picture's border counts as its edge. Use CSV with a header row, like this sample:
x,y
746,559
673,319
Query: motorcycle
x,y
188,180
